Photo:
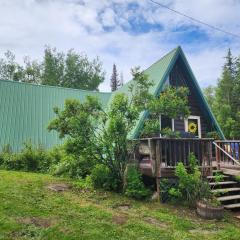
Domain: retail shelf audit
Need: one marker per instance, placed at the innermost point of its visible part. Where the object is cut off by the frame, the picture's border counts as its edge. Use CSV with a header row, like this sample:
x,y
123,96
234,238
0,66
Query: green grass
x,y
76,214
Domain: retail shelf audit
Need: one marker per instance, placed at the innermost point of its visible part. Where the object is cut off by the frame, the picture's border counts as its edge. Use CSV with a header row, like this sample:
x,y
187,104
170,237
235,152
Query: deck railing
x,y
227,153
165,153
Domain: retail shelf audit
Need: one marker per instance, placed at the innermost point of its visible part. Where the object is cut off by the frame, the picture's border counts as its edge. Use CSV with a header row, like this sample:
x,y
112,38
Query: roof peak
x,y
175,50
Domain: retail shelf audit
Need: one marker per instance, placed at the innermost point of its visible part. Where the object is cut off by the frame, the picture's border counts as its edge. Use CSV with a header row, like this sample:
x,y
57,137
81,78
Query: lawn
x,y
29,210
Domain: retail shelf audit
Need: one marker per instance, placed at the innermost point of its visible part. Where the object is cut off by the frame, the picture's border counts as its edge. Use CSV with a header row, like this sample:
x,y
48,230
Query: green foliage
x,y
71,70
115,81
224,98
172,102
166,189
52,67
237,178
134,186
213,135
84,183
190,186
81,73
167,132
151,127
102,177
30,158
140,89
98,136
209,93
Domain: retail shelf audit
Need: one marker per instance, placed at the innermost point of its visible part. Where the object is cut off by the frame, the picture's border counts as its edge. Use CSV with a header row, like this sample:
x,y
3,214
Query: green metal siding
x,y
26,110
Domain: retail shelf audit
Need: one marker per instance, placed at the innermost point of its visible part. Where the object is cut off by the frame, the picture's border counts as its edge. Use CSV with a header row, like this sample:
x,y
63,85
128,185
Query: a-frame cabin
x,y
174,70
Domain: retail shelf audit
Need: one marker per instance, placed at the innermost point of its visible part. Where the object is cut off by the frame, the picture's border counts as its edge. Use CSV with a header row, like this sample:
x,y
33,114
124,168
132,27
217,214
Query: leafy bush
x,y
6,149
134,186
151,128
102,177
165,193
84,183
190,187
72,166
30,158
167,132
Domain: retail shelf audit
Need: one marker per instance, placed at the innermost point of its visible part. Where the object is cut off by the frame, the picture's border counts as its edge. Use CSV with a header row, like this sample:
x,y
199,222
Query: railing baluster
x,y
184,153
170,153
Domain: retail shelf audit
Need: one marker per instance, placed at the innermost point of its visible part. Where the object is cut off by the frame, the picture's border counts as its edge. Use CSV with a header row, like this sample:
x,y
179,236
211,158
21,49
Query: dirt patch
x,y
119,219
58,187
154,221
123,207
37,221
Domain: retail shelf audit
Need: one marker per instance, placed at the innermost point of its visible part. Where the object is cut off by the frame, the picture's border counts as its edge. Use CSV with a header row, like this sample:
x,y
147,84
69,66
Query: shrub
x,y
134,186
102,177
84,183
167,132
30,158
165,193
6,150
72,166
190,187
12,161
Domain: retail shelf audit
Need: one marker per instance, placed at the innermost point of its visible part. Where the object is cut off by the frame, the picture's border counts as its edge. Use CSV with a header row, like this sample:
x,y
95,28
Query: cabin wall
x,y
178,77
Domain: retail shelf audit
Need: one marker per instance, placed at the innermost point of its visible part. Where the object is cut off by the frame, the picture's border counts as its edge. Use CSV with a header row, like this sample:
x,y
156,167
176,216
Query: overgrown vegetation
x,y
172,103
134,186
190,187
30,158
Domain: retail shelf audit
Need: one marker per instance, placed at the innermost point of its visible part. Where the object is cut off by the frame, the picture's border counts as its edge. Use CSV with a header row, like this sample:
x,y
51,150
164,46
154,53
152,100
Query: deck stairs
x,y
226,187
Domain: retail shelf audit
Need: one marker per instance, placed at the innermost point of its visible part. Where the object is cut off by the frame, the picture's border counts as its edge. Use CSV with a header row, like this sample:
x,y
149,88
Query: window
x,y
166,122
193,125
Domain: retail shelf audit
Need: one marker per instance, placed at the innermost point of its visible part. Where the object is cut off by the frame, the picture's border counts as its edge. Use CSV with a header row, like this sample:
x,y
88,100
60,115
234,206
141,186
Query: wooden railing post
x,y
210,157
217,151
158,166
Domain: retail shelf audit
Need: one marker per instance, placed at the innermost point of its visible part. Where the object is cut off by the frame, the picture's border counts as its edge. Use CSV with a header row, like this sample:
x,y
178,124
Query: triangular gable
x,y
158,73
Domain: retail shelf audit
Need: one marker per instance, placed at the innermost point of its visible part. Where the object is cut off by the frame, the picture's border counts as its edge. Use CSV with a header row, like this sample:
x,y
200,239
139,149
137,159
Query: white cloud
x,y
108,18
27,25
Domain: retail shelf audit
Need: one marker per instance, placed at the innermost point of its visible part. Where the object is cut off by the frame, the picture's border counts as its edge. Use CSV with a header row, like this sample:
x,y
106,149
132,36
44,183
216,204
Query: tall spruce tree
x,y
226,103
115,82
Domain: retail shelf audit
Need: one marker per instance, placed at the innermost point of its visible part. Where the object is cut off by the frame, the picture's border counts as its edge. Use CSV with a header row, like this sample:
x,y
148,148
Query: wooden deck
x,y
158,157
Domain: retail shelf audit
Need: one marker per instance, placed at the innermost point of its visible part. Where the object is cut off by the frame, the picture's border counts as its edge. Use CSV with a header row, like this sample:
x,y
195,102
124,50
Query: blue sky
x,y
129,33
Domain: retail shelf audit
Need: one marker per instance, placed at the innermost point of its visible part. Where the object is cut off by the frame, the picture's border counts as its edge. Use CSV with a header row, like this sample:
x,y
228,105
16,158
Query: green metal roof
x,y
26,109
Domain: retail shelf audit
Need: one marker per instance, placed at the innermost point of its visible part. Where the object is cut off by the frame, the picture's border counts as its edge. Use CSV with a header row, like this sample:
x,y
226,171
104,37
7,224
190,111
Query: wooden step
x,y
225,190
228,198
222,183
217,171
231,172
232,206
213,177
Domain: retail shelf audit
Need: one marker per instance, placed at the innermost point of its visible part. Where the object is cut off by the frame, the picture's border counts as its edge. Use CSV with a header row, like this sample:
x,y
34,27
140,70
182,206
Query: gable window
x,y
166,122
